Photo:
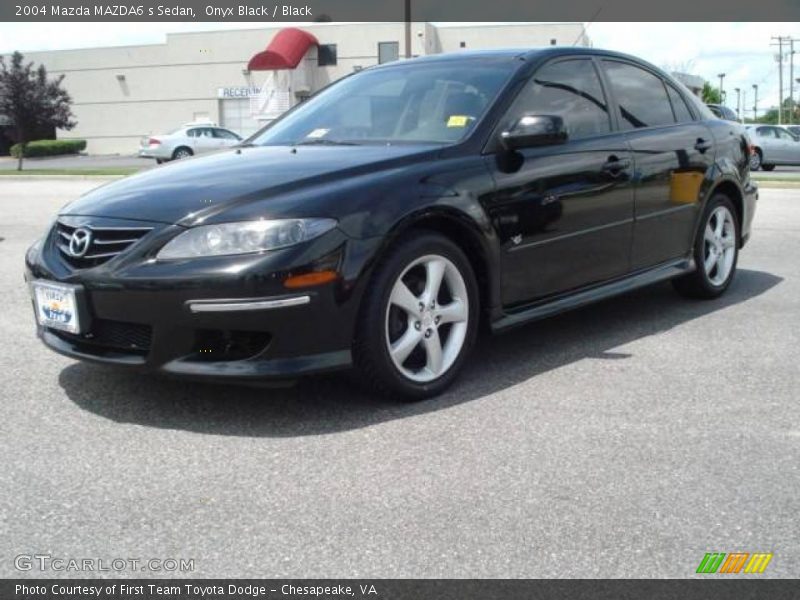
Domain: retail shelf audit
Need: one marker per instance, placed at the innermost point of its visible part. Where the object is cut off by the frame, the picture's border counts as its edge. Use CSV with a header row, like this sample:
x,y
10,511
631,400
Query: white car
x,y
773,145
191,139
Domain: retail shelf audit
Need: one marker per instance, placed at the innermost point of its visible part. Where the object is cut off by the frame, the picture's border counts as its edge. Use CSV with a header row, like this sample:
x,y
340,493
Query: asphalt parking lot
x,y
623,440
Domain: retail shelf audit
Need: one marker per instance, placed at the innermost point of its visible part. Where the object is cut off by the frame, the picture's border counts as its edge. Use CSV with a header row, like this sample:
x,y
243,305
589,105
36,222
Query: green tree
x,y
710,94
30,101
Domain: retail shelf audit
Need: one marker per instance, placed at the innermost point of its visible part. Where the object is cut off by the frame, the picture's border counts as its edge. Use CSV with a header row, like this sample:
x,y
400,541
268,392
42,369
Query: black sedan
x,y
379,223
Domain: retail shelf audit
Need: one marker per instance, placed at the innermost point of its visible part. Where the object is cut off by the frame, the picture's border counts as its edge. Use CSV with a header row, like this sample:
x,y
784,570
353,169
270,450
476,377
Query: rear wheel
x,y
716,251
755,160
181,152
419,319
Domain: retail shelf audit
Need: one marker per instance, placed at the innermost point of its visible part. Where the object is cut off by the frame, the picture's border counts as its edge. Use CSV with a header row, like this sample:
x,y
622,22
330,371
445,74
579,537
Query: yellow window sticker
x,y
457,121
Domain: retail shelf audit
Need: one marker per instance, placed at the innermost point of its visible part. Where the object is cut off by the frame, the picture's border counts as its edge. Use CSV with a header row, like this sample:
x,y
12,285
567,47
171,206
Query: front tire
x,y
418,320
716,251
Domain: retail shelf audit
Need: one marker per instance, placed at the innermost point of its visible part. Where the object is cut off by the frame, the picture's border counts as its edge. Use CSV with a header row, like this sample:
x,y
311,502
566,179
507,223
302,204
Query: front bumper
x,y
217,318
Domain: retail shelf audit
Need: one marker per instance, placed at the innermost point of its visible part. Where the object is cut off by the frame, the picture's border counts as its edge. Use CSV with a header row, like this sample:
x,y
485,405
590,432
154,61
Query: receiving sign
x,y
237,91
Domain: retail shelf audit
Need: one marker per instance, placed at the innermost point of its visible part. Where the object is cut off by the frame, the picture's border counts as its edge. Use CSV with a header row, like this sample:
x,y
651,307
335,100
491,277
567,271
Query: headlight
x,y
244,237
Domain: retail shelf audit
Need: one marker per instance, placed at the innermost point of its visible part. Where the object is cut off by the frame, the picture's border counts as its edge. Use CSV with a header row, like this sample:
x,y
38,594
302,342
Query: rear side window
x,y
767,132
570,89
682,114
642,97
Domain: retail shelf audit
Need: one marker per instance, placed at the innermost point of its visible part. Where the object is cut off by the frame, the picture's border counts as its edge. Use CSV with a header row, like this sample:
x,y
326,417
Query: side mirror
x,y
534,130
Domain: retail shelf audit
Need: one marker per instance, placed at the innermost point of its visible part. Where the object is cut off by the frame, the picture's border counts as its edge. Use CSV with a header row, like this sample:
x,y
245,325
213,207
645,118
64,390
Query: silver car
x,y
773,145
187,141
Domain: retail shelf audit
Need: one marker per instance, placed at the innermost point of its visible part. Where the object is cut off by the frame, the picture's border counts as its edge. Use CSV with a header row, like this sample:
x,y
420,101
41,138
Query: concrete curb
x,y
59,177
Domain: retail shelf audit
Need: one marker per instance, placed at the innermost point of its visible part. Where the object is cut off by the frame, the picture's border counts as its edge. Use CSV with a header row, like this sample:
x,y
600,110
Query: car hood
x,y
182,190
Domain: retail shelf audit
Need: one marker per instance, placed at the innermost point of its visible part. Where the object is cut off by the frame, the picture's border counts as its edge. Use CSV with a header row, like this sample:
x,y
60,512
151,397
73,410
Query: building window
x,y
388,52
326,54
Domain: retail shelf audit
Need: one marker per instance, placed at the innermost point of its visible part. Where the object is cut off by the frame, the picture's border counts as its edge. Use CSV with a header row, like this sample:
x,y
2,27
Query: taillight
x,y
153,142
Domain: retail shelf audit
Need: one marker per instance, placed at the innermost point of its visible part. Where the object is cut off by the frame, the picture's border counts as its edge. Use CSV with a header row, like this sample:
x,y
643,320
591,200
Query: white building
x,y
122,94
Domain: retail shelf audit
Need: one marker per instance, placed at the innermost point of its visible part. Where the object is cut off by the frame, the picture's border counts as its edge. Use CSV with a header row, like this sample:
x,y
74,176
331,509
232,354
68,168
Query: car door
x,y
563,213
767,140
203,140
789,147
671,154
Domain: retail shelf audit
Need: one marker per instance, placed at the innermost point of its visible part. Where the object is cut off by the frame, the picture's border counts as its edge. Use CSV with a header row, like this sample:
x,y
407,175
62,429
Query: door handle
x,y
615,165
701,146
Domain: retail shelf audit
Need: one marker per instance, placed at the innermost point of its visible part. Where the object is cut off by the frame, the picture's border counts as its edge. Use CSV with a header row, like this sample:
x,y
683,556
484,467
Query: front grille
x,y
132,338
104,243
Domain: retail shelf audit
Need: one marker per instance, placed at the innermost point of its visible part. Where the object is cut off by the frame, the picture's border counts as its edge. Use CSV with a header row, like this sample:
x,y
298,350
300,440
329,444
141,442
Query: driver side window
x,y
570,89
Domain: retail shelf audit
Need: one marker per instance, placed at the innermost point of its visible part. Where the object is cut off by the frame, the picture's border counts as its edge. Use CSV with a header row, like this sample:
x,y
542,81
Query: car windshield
x,y
412,103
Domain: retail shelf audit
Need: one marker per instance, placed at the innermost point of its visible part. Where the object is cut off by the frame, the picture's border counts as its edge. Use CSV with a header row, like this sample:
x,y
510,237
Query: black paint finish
x,y
547,228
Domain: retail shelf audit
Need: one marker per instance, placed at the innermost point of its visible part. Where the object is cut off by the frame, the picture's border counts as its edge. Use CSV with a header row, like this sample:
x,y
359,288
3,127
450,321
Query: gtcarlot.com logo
x,y
47,562
735,562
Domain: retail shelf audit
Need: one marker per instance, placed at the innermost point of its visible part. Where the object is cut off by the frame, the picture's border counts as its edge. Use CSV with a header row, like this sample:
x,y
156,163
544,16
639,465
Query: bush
x,y
49,148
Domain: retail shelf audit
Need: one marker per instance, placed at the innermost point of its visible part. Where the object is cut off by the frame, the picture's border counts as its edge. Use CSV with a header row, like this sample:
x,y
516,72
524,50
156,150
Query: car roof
x,y
525,54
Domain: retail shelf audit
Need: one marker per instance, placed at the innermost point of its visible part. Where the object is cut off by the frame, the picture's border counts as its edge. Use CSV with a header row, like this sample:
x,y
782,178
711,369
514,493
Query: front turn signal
x,y
310,279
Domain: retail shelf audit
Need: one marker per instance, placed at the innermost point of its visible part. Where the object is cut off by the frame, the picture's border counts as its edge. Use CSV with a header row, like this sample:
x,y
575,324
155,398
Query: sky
x,y
740,50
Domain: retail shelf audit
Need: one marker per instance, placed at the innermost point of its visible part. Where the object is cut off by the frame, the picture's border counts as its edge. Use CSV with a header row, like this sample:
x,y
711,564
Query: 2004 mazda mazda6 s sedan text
x,y
378,223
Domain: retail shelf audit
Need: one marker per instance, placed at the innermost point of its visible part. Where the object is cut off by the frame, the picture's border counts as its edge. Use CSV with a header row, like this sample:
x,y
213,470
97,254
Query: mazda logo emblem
x,y
79,242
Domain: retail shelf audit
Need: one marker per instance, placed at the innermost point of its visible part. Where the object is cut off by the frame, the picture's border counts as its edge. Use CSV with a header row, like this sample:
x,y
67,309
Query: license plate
x,y
56,306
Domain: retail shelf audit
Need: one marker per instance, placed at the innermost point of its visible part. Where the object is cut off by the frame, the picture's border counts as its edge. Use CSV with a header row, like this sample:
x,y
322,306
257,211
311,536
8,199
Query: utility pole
x,y
744,106
781,39
721,93
738,102
755,102
791,80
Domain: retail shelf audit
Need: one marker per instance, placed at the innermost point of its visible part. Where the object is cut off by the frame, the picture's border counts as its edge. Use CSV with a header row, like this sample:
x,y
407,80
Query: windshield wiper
x,y
324,142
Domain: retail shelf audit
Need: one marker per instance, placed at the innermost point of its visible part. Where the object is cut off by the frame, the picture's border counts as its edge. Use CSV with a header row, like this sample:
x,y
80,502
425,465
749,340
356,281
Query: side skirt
x,y
560,304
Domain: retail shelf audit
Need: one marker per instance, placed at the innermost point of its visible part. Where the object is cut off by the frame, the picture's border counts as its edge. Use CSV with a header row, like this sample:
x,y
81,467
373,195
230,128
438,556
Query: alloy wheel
x,y
719,242
755,161
427,318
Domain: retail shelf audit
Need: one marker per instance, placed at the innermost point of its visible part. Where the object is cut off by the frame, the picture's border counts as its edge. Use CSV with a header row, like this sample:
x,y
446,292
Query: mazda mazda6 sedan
x,y
379,223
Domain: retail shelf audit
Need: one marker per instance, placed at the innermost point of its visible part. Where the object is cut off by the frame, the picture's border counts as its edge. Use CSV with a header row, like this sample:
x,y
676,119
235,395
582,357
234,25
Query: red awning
x,y
285,51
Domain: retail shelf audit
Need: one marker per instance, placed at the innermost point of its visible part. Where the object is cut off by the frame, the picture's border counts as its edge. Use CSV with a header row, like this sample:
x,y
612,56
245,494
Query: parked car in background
x,y
191,139
722,112
402,206
773,145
